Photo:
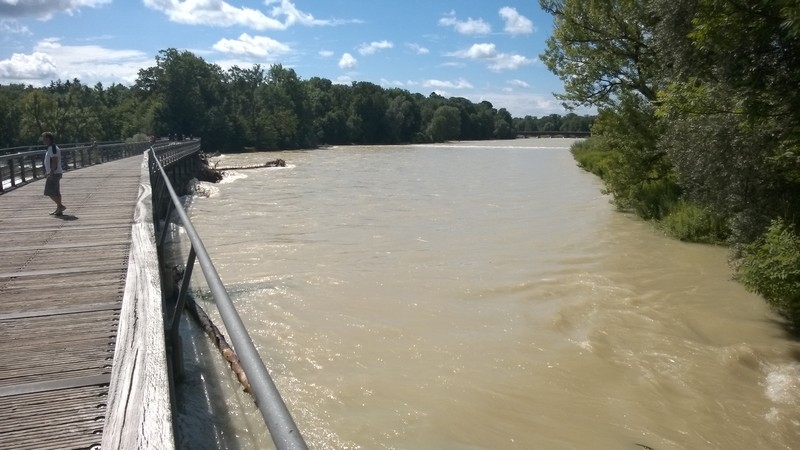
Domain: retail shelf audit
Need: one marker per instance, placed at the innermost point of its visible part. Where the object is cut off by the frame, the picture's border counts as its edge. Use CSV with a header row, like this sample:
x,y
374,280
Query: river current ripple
x,y
477,295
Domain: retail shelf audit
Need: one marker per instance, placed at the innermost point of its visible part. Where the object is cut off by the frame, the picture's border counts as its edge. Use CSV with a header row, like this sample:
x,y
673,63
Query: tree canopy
x,y
259,108
699,123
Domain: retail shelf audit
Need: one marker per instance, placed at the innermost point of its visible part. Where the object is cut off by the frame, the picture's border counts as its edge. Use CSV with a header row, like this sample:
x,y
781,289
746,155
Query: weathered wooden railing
x,y
22,167
282,428
140,406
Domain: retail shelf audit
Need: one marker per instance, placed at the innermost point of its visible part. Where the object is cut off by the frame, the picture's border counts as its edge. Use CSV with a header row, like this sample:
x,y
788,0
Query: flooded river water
x,y
479,295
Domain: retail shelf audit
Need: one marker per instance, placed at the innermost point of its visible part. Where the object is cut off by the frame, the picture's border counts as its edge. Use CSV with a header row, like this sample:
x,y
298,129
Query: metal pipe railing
x,y
22,167
282,427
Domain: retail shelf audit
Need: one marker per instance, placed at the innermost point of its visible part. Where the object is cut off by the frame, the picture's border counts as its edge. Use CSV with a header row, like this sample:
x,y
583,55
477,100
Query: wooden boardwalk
x,y
62,281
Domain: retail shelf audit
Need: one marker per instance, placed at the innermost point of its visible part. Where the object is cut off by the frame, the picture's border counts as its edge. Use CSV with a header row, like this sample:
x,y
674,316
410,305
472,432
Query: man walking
x,y
53,171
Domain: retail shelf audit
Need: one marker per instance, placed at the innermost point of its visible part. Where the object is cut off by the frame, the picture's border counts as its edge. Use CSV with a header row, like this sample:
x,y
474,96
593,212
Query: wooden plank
x,y
62,285
59,312
71,246
58,385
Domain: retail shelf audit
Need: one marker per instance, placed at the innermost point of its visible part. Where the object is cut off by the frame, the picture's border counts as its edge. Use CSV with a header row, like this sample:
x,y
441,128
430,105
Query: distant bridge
x,y
554,133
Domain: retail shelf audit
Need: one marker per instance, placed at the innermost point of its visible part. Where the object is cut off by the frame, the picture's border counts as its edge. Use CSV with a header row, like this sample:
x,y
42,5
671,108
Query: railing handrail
x,y
42,147
19,168
282,427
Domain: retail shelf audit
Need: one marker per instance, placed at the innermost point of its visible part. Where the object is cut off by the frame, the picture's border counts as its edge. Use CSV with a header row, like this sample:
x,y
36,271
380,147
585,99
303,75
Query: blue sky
x,y
477,49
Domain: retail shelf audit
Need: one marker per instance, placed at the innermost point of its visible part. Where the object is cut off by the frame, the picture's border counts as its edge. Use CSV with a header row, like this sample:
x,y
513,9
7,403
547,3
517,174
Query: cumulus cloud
x,y
216,13
478,51
518,83
325,53
347,61
292,15
221,13
515,22
496,61
22,67
372,47
258,46
439,84
505,61
44,9
469,26
51,60
418,49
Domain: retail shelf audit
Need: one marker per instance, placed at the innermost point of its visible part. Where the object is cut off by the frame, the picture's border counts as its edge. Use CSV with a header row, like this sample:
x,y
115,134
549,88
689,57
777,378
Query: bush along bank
x,y
768,264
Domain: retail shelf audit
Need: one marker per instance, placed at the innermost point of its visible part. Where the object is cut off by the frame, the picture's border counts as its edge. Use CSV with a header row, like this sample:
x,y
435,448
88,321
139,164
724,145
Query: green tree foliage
x,y
601,48
445,124
771,268
249,108
699,120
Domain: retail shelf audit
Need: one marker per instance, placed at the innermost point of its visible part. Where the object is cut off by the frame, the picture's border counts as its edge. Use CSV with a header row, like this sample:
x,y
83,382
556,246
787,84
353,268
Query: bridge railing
x,y
20,168
282,427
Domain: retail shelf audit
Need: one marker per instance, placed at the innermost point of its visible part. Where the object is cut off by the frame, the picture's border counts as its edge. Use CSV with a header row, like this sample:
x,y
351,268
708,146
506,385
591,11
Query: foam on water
x,y
203,189
782,382
230,176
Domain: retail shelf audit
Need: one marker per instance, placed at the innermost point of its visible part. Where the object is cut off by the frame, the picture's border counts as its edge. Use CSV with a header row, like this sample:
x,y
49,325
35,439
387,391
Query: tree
x,y
39,109
242,87
368,113
601,48
446,124
503,125
733,127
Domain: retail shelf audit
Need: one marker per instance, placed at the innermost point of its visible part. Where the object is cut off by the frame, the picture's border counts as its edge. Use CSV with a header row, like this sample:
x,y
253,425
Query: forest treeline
x,y
265,109
698,125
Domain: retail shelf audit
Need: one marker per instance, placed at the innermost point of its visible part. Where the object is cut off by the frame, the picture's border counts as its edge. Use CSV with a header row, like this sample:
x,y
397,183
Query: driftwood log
x,y
275,163
208,173
218,339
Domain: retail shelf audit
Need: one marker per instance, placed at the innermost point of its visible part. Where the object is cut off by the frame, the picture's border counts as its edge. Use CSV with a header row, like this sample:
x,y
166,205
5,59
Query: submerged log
x,y
218,339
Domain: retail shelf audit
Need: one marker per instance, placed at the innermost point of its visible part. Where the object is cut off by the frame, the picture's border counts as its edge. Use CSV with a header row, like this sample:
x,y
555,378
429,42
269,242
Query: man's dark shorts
x,y
52,186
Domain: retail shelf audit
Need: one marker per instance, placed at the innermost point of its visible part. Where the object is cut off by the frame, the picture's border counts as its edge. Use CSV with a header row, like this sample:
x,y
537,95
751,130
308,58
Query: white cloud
x,y
51,60
478,51
518,83
22,68
372,47
497,62
515,22
42,9
325,53
214,13
347,61
259,46
439,84
418,49
469,26
505,61
223,14
293,15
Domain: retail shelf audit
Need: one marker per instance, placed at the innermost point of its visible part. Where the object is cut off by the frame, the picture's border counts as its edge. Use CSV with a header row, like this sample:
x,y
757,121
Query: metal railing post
x,y
174,324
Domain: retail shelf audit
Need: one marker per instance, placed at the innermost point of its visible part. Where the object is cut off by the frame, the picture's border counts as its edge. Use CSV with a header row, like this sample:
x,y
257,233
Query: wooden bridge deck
x,y
61,286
